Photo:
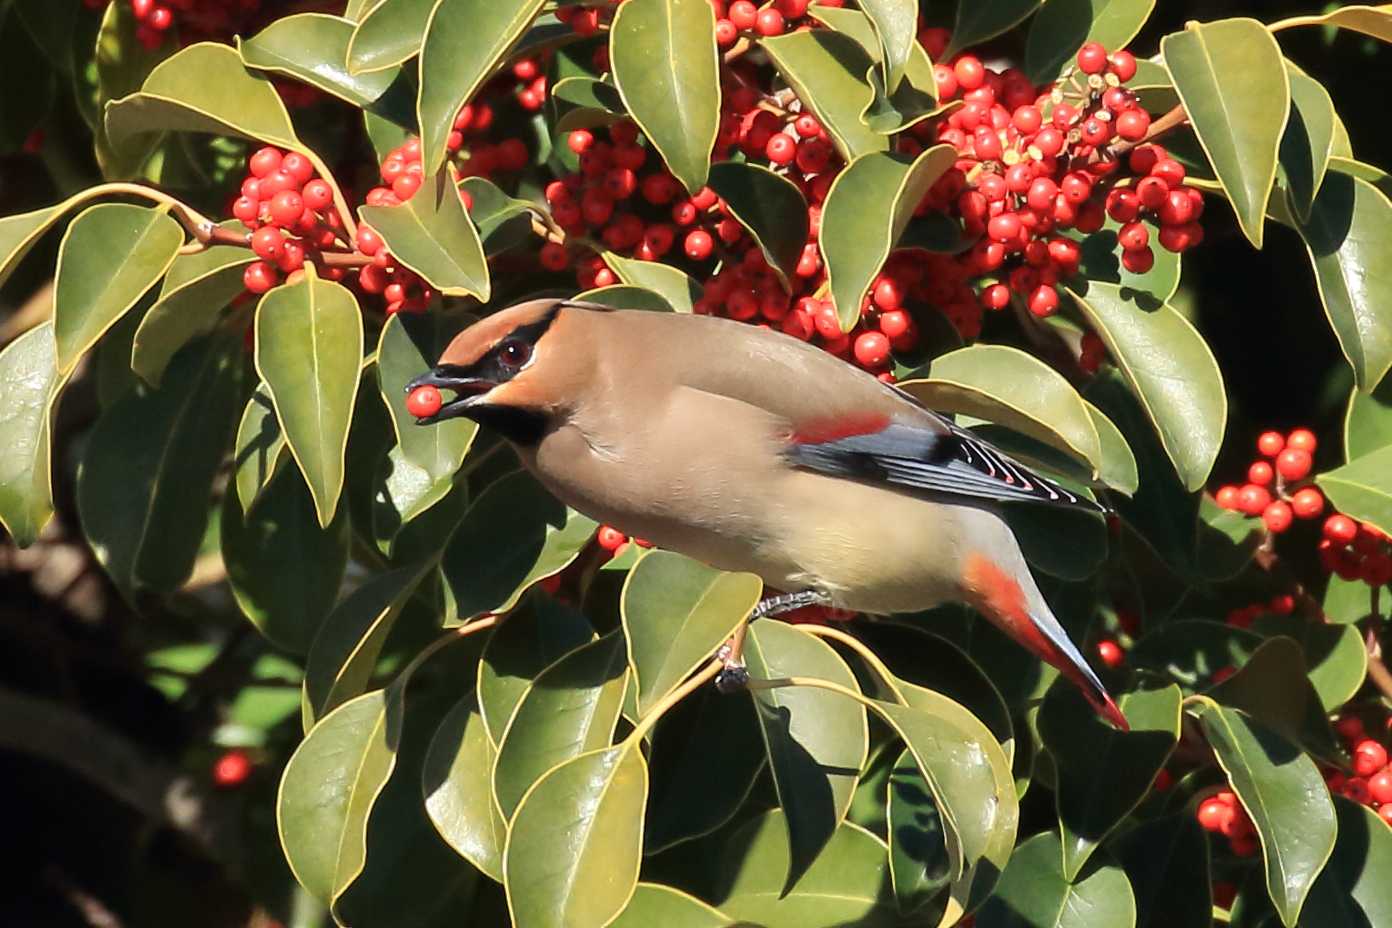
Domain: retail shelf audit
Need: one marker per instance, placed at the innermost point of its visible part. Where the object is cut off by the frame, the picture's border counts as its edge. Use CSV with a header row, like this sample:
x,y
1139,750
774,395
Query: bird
x,y
750,450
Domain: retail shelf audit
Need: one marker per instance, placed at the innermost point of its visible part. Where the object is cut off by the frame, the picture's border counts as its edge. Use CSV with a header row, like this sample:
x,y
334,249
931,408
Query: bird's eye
x,y
514,353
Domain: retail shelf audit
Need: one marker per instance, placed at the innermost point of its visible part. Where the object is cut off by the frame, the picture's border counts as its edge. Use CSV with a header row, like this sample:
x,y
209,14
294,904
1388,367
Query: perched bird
x,y
752,451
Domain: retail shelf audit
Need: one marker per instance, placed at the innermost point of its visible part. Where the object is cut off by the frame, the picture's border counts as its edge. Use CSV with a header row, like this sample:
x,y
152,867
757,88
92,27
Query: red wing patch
x,y
833,429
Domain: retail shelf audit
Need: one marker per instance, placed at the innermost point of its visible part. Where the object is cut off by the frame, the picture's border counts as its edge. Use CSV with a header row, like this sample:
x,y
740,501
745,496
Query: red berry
x,y
743,13
946,79
1226,497
317,195
1138,261
1302,439
610,538
1368,758
424,402
1214,814
1123,65
970,72
1253,499
1307,503
265,161
1294,463
872,349
1270,443
1340,529
286,207
769,22
580,140
781,148
1133,236
247,210
1260,473
553,256
268,242
1169,170
1153,191
1110,653
1277,516
1132,125
698,245
259,277
1385,812
1043,301
895,323
297,166
231,769
1049,141
726,33
1380,786
1092,58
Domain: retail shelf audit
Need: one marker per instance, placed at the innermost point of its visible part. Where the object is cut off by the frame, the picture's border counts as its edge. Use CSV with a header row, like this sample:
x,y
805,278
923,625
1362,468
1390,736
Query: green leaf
x,y
569,709
1064,26
665,64
203,88
21,232
896,25
847,883
827,71
770,206
389,35
1345,601
110,255
624,296
313,48
670,283
464,41
535,636
147,471
329,788
865,212
1190,652
654,904
575,844
584,102
1118,465
122,65
502,221
1308,142
1167,861
1283,792
408,345
1171,370
1356,871
1368,421
1362,488
1012,388
30,382
918,862
344,652
515,534
1102,773
1239,130
259,448
458,788
309,347
914,99
284,569
196,290
676,612
1271,687
816,740
1101,261
1349,239
707,745
1335,654
1375,21
408,524
977,22
431,234
1033,892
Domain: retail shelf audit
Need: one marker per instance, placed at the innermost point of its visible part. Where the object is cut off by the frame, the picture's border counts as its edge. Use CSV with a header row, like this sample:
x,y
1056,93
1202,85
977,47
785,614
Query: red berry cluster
x,y
195,19
1356,551
1371,783
748,18
1274,487
291,214
1244,616
1222,814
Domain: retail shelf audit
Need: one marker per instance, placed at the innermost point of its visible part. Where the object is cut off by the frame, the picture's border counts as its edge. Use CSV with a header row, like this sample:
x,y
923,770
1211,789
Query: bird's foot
x,y
734,676
789,602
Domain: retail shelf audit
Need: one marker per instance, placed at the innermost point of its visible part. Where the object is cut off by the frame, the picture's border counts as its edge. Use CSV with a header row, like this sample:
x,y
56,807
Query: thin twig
x,y
1170,121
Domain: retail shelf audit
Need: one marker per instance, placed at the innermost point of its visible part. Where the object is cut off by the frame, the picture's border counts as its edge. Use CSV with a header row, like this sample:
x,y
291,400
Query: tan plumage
x,y
679,429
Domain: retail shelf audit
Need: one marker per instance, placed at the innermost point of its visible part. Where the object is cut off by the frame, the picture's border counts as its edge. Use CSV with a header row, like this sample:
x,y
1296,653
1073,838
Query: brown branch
x,y
1167,123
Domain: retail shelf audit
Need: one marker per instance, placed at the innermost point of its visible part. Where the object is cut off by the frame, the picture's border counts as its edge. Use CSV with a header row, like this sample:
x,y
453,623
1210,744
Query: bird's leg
x,y
734,676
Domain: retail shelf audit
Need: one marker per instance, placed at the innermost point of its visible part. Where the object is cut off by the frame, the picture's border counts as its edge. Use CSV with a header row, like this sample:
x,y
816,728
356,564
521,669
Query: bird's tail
x,y
1026,618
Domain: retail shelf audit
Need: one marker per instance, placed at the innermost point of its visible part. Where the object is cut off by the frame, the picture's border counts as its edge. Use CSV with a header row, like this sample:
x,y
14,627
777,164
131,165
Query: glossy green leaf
x,y
1064,26
676,613
569,709
406,526
503,222
20,232
1102,774
827,70
30,382
708,745
1285,796
122,64
1368,421
916,96
865,212
388,35
457,784
1375,21
770,206
410,344
1308,141
203,88
624,296
309,346
654,904
464,41
584,102
1349,239
816,740
977,22
672,284
111,254
1334,654
918,862
664,61
1272,688
1240,131
896,25
284,569
195,292
344,653
313,48
1345,601
1034,893
1101,261
1355,876
1012,388
1167,861
576,842
1362,488
1118,464
1190,652
848,883
515,534
259,448
1170,369
329,787
147,471
539,633
432,235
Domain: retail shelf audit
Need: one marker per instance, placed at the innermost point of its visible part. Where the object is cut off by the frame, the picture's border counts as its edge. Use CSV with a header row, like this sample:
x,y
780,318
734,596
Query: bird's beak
x,y
467,389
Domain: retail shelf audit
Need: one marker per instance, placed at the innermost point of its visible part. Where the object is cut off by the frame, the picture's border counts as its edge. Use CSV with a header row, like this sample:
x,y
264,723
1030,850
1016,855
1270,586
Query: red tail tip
x,y
1109,711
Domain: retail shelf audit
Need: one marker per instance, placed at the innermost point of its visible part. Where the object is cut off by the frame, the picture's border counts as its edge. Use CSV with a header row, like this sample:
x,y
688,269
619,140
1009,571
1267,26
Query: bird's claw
x,y
732,679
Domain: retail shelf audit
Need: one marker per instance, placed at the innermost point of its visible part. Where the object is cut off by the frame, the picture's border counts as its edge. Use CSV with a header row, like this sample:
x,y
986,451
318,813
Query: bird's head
x,y
503,371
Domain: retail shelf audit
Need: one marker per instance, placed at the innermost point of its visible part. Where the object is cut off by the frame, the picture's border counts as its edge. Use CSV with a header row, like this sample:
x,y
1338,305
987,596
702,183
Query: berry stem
x,y
1172,120
199,226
